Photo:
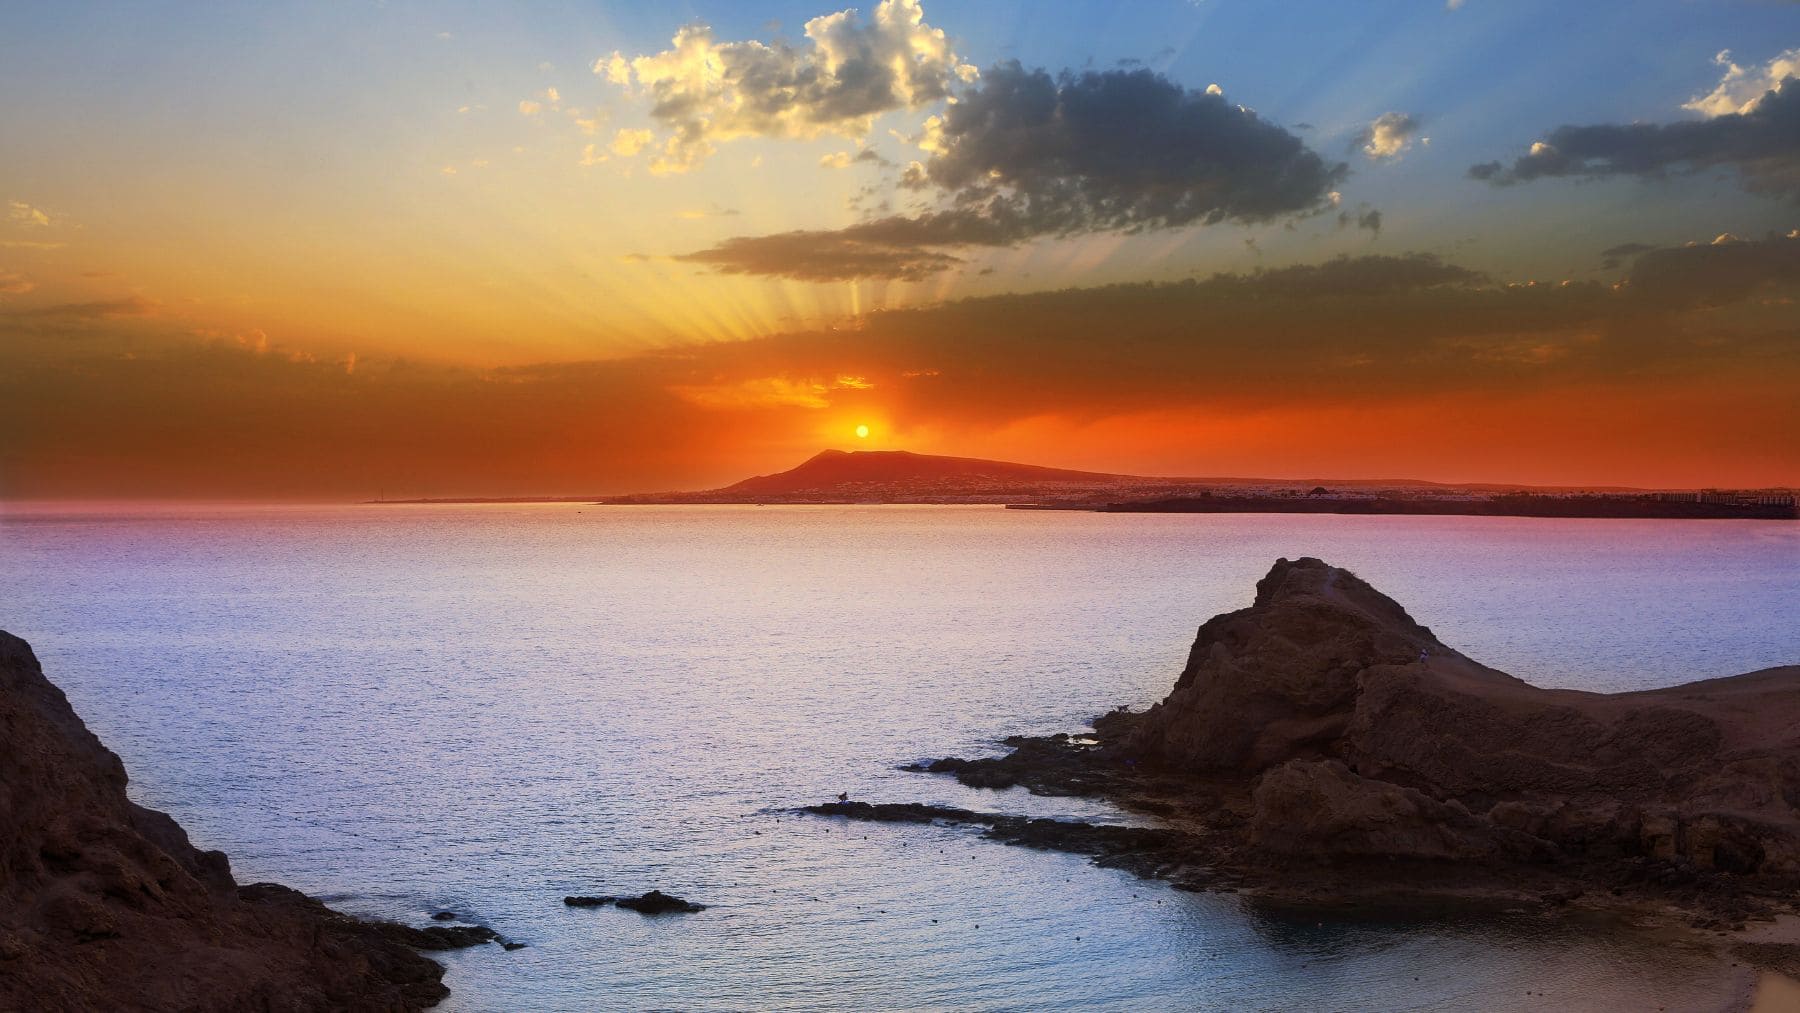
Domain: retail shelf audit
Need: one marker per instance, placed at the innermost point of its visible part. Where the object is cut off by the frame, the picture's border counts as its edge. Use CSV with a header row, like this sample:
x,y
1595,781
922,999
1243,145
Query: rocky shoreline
x,y
1323,749
105,904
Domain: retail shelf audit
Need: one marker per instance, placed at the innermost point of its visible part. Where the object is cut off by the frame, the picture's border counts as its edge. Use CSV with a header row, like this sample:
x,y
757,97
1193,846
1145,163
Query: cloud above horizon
x,y
1752,126
1388,136
1024,155
1366,334
847,72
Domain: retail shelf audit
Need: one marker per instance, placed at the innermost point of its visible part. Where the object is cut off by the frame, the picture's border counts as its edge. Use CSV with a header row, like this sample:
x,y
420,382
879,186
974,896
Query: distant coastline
x,y
838,478
1649,506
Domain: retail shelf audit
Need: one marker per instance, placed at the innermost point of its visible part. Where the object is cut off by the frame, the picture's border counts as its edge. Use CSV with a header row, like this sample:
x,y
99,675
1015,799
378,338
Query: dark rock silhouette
x,y
104,904
1371,737
653,903
656,903
1321,745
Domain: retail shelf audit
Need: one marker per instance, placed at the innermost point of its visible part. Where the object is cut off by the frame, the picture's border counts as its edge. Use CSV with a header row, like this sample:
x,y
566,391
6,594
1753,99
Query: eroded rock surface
x,y
105,904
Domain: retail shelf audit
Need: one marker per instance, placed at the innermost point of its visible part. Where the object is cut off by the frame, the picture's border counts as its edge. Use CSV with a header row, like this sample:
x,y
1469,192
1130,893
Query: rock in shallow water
x,y
653,903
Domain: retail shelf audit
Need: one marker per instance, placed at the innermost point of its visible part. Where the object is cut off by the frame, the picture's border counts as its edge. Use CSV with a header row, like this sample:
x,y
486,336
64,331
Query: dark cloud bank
x,y
1762,145
1024,155
80,416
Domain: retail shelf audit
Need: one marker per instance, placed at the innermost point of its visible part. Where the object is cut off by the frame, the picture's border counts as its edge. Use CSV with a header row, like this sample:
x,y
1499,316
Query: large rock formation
x,y
1322,747
1361,734
105,905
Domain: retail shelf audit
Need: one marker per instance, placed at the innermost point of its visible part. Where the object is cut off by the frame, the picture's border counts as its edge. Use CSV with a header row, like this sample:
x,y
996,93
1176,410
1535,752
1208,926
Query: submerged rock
x,y
656,903
449,937
104,904
653,903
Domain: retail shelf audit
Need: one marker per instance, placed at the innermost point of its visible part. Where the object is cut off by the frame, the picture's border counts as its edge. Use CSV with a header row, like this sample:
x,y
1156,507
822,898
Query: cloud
x,y
627,143
1723,271
1363,218
880,249
1388,136
588,125
99,309
712,211
847,72
844,159
615,68
1739,90
1617,256
22,213
1025,155
1690,358
530,108
1352,329
1760,139
15,284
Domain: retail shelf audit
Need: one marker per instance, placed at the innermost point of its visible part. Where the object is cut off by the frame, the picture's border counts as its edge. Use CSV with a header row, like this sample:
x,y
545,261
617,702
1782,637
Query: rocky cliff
x,y
105,904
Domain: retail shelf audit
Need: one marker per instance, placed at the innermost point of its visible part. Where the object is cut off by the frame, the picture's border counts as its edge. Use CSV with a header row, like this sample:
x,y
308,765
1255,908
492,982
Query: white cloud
x,y
1389,135
627,143
1740,89
1214,89
615,68
591,157
24,214
836,160
530,108
847,72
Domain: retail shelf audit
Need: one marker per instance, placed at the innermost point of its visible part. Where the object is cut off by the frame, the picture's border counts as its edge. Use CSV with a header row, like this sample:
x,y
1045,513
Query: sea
x,y
406,709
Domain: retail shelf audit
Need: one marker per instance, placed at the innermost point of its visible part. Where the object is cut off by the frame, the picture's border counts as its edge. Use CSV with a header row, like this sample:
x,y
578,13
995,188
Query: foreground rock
x,y
653,903
105,905
1322,745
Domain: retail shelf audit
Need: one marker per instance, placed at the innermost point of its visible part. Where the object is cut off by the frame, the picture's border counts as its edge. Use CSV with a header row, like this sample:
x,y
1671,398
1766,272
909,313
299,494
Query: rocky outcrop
x,y
1368,736
105,904
1323,746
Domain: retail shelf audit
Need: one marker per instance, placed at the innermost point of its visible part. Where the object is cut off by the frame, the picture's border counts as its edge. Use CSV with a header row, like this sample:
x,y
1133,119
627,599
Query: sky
x,y
348,250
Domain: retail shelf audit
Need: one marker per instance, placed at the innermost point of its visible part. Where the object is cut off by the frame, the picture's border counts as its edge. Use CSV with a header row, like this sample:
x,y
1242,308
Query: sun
x,y
862,432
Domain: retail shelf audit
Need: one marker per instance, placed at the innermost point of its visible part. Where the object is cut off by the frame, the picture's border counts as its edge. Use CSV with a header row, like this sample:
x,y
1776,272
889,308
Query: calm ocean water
x,y
488,707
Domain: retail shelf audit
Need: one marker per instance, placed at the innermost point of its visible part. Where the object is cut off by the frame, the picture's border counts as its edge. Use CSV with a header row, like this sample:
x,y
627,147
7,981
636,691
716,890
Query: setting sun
x,y
862,432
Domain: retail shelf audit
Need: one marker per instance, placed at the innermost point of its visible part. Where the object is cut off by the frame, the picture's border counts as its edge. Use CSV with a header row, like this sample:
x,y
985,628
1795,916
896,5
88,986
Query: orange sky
x,y
490,258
